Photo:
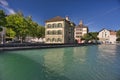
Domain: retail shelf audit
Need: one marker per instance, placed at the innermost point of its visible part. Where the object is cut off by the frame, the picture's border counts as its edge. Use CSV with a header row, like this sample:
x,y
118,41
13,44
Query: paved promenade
x,y
24,46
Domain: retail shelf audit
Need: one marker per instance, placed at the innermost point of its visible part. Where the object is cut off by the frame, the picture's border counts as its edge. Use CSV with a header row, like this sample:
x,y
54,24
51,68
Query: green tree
x,y
118,36
35,30
118,39
86,37
94,35
90,36
10,33
1,29
32,26
118,33
19,25
2,19
40,32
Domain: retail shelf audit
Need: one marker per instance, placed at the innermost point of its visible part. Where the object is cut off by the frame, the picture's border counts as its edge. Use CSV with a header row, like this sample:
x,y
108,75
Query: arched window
x,y
59,40
53,40
48,32
53,32
59,32
53,25
49,26
48,40
59,25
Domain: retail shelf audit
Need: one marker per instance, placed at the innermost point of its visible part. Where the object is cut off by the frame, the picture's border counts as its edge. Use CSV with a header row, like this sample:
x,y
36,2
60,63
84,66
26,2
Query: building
x,y
80,31
59,30
107,36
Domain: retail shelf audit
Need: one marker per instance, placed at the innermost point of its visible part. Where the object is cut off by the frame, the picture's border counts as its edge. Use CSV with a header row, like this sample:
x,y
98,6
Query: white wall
x,y
104,36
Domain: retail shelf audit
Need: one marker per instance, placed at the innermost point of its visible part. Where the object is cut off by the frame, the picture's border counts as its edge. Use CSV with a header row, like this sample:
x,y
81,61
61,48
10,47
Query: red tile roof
x,y
58,18
112,32
81,26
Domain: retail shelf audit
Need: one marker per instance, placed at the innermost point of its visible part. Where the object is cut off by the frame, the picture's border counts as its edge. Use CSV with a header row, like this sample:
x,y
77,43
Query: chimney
x,y
67,18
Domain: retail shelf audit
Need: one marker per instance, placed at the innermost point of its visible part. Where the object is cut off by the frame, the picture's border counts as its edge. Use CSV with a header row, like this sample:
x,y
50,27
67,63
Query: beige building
x,y
107,36
80,31
59,30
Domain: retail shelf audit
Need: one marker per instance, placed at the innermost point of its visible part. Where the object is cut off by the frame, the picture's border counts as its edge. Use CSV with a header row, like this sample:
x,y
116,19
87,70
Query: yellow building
x,y
80,31
59,30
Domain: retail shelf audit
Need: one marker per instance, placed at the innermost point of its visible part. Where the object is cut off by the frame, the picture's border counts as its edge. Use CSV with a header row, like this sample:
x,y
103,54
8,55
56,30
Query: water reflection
x,y
80,54
77,63
53,60
17,67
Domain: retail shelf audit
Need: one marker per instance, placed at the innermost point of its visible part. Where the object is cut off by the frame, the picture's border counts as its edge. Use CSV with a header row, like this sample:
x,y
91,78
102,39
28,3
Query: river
x,y
101,62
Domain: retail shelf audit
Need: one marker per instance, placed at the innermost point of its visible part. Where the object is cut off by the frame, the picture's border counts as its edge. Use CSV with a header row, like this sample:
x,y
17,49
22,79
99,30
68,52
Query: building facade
x,y
59,30
80,31
107,36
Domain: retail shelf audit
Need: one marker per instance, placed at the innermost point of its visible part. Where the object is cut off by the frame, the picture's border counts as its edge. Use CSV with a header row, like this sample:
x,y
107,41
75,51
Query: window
x,y
77,37
78,29
53,32
53,40
59,32
48,40
78,32
59,25
53,25
48,32
48,26
59,40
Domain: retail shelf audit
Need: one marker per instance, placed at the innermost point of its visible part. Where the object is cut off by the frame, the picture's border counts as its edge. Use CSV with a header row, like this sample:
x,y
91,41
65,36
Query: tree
x,y
2,19
2,24
118,33
86,37
40,32
19,25
90,36
118,39
32,26
10,33
1,29
94,35
35,30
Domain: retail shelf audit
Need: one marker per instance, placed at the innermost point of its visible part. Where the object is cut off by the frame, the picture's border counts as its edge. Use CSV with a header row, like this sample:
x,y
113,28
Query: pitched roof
x,y
57,18
112,32
81,26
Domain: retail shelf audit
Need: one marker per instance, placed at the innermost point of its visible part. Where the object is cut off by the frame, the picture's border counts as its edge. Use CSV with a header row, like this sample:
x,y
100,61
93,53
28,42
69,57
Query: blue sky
x,y
96,14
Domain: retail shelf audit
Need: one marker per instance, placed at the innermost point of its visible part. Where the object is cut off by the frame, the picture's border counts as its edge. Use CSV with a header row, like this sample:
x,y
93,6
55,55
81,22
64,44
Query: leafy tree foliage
x,y
90,36
1,29
118,33
2,19
10,33
35,29
118,39
40,32
18,24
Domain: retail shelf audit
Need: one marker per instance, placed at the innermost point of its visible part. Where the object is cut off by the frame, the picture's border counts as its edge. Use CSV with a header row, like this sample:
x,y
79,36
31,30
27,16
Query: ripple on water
x,y
77,63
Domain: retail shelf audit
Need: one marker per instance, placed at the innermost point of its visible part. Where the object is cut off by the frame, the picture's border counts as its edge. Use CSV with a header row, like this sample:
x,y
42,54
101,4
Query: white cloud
x,y
5,5
4,2
90,23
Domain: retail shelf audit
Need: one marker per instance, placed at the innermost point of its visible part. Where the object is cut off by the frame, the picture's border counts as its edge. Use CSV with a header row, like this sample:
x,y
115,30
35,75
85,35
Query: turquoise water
x,y
79,63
